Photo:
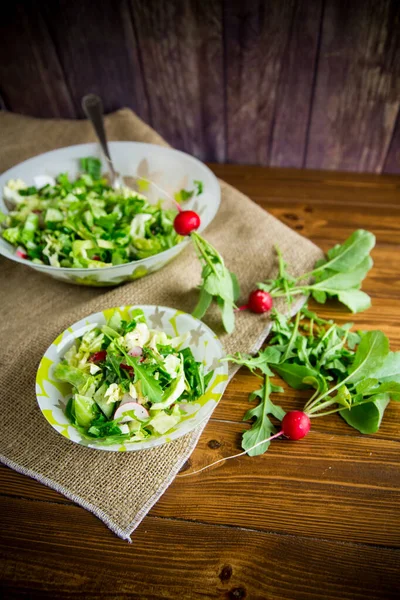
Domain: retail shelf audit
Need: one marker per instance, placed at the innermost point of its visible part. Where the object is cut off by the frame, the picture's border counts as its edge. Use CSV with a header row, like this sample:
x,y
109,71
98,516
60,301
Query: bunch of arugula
x,y
353,373
338,275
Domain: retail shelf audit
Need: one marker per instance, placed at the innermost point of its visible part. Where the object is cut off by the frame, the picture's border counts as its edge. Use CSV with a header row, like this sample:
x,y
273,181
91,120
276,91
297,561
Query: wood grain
x,y
392,162
70,560
99,54
357,86
181,47
291,83
31,77
293,109
256,46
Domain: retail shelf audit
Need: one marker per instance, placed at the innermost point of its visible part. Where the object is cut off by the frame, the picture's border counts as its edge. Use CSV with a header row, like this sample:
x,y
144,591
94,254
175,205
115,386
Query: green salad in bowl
x,y
59,215
130,378
84,222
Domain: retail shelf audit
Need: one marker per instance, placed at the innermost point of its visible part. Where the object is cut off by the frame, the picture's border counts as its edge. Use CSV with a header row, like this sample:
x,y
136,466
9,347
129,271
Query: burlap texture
x,y
118,488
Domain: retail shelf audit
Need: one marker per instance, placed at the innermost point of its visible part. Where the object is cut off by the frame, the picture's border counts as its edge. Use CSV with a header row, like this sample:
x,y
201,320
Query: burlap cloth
x,y
120,488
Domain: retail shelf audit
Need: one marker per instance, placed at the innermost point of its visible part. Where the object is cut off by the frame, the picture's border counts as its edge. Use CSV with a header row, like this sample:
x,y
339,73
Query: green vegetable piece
x,y
53,215
370,356
203,304
367,417
390,369
295,374
92,166
217,282
150,386
355,300
262,428
101,401
72,375
11,235
84,410
350,254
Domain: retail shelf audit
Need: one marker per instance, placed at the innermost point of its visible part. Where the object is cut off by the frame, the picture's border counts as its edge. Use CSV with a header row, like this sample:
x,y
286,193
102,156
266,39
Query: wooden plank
x,y
97,49
312,186
295,88
335,487
32,79
392,161
182,52
358,86
256,36
61,551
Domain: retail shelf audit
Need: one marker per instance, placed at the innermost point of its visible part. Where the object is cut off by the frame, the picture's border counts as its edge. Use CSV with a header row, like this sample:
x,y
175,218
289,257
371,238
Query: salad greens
x,y
217,283
85,223
352,373
129,382
338,275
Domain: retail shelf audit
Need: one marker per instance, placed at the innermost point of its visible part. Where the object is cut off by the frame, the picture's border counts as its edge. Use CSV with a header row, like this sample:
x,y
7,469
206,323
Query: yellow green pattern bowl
x,y
52,395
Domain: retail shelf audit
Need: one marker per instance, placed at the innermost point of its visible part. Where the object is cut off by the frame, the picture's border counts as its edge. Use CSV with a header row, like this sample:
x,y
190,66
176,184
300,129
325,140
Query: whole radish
x,y
186,221
296,424
258,302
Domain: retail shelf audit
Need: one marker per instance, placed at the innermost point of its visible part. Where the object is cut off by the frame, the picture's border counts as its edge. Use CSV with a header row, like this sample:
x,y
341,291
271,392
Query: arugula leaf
x,y
390,369
262,427
150,386
347,256
203,304
260,361
339,275
218,283
371,354
367,417
294,375
355,300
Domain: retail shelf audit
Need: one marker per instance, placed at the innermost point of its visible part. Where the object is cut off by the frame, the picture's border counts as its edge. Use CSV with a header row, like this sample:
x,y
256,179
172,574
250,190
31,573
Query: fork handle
x,y
93,109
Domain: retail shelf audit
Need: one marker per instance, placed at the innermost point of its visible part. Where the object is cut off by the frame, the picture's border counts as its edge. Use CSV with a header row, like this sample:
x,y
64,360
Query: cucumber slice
x,y
83,408
106,409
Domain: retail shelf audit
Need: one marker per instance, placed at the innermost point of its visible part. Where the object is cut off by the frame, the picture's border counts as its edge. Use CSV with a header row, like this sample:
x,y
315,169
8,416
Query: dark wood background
x,y
302,83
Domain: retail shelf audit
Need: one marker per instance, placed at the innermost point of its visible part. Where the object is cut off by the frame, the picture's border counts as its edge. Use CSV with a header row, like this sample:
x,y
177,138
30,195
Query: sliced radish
x,y
136,351
20,252
140,412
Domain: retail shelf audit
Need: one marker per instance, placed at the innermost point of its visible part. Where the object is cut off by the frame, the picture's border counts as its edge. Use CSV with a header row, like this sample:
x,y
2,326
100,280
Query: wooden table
x,y
313,519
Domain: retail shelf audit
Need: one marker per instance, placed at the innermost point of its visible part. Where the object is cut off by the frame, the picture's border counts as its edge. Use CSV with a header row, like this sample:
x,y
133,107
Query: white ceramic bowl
x,y
53,395
170,169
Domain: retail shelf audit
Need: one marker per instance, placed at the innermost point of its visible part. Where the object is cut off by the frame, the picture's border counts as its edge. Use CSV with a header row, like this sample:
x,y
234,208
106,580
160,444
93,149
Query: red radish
x,y
136,351
127,368
296,424
140,412
259,302
20,252
98,356
96,257
186,222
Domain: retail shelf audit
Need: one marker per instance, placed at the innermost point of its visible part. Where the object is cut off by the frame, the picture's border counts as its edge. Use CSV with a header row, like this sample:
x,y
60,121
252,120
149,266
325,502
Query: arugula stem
x,y
292,338
310,400
335,410
272,437
199,245
293,292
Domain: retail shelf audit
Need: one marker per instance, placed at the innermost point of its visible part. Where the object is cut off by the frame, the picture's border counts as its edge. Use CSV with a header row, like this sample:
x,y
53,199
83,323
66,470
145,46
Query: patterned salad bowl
x,y
53,395
169,170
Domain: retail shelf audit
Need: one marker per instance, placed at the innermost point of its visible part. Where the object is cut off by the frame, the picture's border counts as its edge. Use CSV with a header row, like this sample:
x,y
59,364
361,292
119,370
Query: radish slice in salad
x,y
139,411
136,351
